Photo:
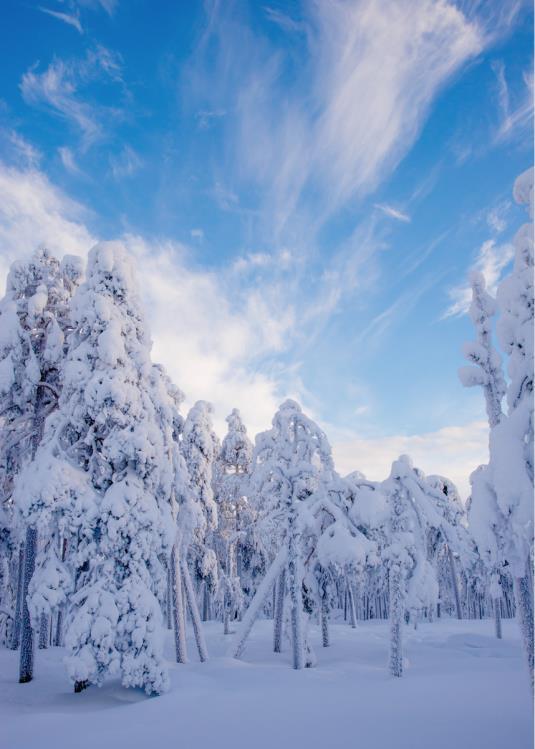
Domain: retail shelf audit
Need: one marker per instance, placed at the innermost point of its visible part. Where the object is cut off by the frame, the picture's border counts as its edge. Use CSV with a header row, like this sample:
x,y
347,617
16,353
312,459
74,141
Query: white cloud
x,y
211,339
67,159
58,89
125,163
368,74
389,210
197,234
208,336
34,212
284,21
454,452
516,107
491,260
68,18
21,151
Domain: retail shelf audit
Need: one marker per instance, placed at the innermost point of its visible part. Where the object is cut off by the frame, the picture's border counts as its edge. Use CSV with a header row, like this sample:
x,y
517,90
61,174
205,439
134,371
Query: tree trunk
x,y
15,640
177,598
351,606
194,612
497,618
295,584
279,612
455,585
169,598
324,621
524,613
44,629
27,638
58,637
256,604
396,620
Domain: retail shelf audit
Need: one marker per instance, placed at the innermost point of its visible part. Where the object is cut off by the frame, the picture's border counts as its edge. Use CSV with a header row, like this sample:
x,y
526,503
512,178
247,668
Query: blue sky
x,y
303,185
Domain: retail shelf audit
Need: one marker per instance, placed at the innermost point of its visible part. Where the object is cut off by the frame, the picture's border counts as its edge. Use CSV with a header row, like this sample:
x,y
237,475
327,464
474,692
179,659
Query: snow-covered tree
x,y
234,465
107,447
486,371
511,442
418,511
34,319
200,447
292,464
501,503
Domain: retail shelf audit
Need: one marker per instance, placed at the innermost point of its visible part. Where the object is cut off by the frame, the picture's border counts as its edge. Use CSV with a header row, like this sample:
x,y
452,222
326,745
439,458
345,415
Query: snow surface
x,y
461,688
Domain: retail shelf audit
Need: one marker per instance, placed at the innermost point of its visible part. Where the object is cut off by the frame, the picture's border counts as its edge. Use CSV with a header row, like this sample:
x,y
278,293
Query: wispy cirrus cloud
x,y
491,260
515,106
71,19
215,337
58,90
126,163
68,160
313,136
392,212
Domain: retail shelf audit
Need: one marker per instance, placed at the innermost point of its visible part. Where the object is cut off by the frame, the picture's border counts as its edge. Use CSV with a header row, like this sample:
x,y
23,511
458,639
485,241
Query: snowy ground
x,y
462,688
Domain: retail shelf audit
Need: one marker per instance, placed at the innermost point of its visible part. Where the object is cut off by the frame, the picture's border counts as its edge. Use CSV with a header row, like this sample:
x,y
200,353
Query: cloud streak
x,y
57,90
70,19
491,260
328,131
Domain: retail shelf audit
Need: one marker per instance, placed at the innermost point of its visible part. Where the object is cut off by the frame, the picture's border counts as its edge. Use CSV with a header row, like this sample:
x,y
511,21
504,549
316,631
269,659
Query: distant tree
x,y
200,447
234,466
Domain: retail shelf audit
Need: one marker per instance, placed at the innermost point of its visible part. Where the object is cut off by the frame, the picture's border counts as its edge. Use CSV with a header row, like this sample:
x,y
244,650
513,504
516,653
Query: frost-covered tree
x,y
34,319
292,463
234,465
485,367
107,447
200,448
511,442
501,504
417,512
486,371
343,552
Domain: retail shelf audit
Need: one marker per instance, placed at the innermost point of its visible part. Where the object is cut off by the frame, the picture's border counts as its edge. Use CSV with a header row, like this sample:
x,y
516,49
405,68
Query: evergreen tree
x,y
234,466
108,440
34,319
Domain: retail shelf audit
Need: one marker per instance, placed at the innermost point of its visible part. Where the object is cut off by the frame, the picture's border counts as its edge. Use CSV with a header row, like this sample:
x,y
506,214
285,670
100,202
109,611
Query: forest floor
x,y
461,688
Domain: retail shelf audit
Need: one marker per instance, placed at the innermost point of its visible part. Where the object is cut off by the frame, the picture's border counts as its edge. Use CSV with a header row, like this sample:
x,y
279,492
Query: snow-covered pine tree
x,y
501,502
109,442
34,318
200,447
175,489
234,465
486,371
511,442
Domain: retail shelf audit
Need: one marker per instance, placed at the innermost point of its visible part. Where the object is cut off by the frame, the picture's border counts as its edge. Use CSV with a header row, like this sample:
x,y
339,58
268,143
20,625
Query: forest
x,y
122,519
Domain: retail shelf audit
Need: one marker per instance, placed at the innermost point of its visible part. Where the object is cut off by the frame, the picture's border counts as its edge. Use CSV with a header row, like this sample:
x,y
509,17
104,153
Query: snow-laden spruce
x,y
200,447
234,466
34,320
501,503
107,435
